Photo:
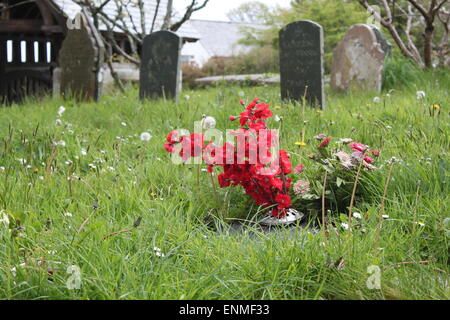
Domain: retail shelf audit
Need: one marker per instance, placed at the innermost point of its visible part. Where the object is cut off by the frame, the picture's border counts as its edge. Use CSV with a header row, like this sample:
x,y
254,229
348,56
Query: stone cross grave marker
x,y
80,59
301,62
358,60
160,66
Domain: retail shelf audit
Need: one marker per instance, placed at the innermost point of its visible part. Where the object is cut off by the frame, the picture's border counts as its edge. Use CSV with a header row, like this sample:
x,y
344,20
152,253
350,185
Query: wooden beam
x,y
20,26
27,26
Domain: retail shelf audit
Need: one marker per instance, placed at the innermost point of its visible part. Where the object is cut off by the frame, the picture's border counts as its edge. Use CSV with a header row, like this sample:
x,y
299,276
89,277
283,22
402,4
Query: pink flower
x,y
376,153
369,159
301,187
299,168
320,137
355,146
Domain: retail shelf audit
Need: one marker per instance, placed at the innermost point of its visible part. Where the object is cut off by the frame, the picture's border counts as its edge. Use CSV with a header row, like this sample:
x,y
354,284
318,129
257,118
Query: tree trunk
x,y
428,46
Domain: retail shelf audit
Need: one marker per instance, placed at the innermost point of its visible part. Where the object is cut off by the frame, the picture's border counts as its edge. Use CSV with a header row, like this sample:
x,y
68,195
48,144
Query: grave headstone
x,y
80,59
56,82
301,62
160,66
358,60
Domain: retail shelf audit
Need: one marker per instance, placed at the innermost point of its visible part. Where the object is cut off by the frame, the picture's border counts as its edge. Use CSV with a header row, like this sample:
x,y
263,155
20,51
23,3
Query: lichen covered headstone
x,y
80,60
358,60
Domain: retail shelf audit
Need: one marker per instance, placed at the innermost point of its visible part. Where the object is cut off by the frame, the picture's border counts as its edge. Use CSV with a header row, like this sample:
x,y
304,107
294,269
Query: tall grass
x,y
204,258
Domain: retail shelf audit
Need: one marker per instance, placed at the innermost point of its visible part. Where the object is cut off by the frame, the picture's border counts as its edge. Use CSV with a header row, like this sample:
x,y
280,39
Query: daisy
x,y
357,215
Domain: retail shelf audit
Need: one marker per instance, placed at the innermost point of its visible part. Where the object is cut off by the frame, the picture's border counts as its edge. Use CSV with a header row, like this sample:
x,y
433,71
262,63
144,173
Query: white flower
x,y
4,219
420,95
344,225
22,161
111,169
61,110
58,122
385,216
158,252
124,124
277,118
68,162
92,166
67,214
357,215
376,100
187,97
345,140
2,168
60,143
145,136
208,123
83,152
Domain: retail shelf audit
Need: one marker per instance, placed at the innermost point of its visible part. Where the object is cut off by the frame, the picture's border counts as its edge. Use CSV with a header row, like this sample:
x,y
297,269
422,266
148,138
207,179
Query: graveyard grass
x,y
202,258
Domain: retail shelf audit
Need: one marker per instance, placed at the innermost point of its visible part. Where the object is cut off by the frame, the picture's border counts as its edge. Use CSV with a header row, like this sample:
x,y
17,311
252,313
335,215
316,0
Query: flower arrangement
x,y
345,166
253,162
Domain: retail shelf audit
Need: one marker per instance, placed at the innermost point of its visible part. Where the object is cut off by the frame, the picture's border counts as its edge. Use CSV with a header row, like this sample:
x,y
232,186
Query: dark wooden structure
x,y
31,33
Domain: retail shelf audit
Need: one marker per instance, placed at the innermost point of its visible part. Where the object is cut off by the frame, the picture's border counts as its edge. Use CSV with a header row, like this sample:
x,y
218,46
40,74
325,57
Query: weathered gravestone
x,y
160,66
358,60
80,59
301,62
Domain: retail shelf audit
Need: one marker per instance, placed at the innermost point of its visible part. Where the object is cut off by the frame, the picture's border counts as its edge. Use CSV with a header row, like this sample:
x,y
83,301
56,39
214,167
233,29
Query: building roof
x,y
71,8
221,38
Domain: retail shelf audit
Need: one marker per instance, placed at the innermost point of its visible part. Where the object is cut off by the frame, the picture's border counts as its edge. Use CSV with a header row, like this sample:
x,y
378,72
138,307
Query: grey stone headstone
x,y
56,83
80,59
358,60
301,62
160,66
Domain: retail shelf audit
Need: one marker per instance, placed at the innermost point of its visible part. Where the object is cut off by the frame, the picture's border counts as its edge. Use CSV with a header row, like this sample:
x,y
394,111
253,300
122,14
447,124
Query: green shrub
x,y
399,71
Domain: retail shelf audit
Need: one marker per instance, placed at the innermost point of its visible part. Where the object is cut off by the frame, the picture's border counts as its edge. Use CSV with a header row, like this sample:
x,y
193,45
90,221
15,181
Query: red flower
x,y
172,138
369,159
283,200
325,143
285,163
376,153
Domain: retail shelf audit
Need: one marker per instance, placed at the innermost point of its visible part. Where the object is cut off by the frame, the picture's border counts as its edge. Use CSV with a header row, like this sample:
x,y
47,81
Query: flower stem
x,y
324,222
380,217
352,200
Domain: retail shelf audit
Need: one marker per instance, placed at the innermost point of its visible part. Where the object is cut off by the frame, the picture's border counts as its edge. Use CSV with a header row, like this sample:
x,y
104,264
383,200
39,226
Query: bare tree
x,y
425,14
133,27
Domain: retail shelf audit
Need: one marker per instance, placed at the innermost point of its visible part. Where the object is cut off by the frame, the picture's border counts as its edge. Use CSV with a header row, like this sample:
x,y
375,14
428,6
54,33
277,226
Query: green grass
x,y
201,262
